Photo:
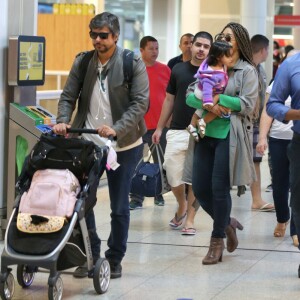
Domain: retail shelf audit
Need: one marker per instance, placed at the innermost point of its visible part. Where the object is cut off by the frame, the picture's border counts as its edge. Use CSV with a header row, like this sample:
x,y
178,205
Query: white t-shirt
x,y
278,129
100,113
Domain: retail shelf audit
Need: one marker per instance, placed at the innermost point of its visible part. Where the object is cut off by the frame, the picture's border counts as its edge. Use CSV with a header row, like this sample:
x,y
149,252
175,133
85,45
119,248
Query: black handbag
x,y
58,152
149,179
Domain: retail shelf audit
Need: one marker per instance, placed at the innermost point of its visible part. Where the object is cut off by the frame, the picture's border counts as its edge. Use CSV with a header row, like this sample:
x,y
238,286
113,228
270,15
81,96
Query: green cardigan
x,y
219,127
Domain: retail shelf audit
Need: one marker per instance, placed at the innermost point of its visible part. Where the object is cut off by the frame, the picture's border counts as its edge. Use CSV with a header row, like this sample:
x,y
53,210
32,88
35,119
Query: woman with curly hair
x,y
223,158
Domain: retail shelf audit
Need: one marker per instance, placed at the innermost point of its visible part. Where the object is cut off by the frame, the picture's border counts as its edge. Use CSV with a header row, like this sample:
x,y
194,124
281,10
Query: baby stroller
x,y
70,246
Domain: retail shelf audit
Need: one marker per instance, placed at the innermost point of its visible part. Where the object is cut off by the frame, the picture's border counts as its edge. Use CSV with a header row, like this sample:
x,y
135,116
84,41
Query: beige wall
x,y
220,7
204,15
190,20
213,15
214,20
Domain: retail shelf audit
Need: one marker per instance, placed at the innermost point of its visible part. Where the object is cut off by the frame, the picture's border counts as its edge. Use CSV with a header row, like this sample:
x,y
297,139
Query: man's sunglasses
x,y
101,35
227,37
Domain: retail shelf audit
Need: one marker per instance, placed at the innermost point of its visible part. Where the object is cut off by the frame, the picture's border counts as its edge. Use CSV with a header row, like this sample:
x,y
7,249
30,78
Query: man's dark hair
x,y
189,35
106,19
287,50
259,42
203,34
146,39
217,50
276,45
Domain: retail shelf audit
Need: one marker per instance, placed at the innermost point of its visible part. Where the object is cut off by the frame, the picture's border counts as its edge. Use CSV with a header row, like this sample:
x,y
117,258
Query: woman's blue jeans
x,y
119,182
211,181
280,180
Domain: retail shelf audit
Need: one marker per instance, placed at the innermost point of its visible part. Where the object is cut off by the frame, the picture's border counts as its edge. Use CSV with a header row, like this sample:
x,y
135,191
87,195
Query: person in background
x,y
287,50
159,75
177,136
286,83
280,135
188,228
185,47
106,102
260,51
223,158
277,57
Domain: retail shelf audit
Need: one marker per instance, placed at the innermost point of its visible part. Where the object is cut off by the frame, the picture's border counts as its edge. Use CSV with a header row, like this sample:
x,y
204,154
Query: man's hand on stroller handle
x,y
61,128
103,131
106,131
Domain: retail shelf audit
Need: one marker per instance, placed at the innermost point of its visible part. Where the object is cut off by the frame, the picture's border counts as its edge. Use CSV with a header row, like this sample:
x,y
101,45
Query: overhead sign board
x,y
287,20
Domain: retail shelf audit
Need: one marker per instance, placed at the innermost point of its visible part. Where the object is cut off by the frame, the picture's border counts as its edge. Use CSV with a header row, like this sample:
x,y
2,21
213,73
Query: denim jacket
x,y
128,106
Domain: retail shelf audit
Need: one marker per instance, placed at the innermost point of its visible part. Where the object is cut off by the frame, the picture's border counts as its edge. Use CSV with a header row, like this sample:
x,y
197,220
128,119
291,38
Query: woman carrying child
x,y
212,79
223,158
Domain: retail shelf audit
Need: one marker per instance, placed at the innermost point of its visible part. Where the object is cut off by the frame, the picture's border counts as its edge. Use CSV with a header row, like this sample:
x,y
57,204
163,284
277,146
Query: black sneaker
x,y
269,188
159,200
115,270
135,205
81,272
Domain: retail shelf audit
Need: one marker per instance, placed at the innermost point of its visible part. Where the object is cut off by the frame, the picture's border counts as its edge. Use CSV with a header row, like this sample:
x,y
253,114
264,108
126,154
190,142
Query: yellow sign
x,y
31,61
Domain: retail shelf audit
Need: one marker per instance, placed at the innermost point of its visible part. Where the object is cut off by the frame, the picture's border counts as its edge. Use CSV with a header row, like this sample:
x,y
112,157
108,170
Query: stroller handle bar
x,y
82,130
86,130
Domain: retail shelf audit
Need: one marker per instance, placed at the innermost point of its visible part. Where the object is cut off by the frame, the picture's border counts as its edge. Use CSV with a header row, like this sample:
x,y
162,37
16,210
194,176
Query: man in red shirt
x,y
158,75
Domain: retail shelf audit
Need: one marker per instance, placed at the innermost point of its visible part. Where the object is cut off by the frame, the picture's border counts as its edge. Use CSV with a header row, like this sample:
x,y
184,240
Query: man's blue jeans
x,y
211,181
119,182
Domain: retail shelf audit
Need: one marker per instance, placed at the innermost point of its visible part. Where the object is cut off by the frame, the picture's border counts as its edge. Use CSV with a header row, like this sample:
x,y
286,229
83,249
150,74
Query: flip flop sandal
x,y
177,222
268,207
188,231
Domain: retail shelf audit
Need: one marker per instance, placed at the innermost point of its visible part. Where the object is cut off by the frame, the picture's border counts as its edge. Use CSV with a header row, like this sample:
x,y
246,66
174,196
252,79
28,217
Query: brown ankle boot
x,y
215,252
232,241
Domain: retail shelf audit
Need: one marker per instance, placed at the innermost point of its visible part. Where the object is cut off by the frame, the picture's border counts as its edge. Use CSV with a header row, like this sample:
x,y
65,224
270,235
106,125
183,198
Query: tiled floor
x,y
162,264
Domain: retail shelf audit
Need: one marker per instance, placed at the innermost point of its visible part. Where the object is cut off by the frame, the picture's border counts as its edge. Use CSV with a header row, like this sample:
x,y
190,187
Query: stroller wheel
x,y
25,275
7,288
55,292
101,276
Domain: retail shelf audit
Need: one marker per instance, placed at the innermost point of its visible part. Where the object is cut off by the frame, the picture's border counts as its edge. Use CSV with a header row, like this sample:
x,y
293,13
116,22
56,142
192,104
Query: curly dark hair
x,y
217,50
243,41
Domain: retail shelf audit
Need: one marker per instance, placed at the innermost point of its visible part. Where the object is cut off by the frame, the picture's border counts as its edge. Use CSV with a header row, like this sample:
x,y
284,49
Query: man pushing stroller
x,y
115,103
